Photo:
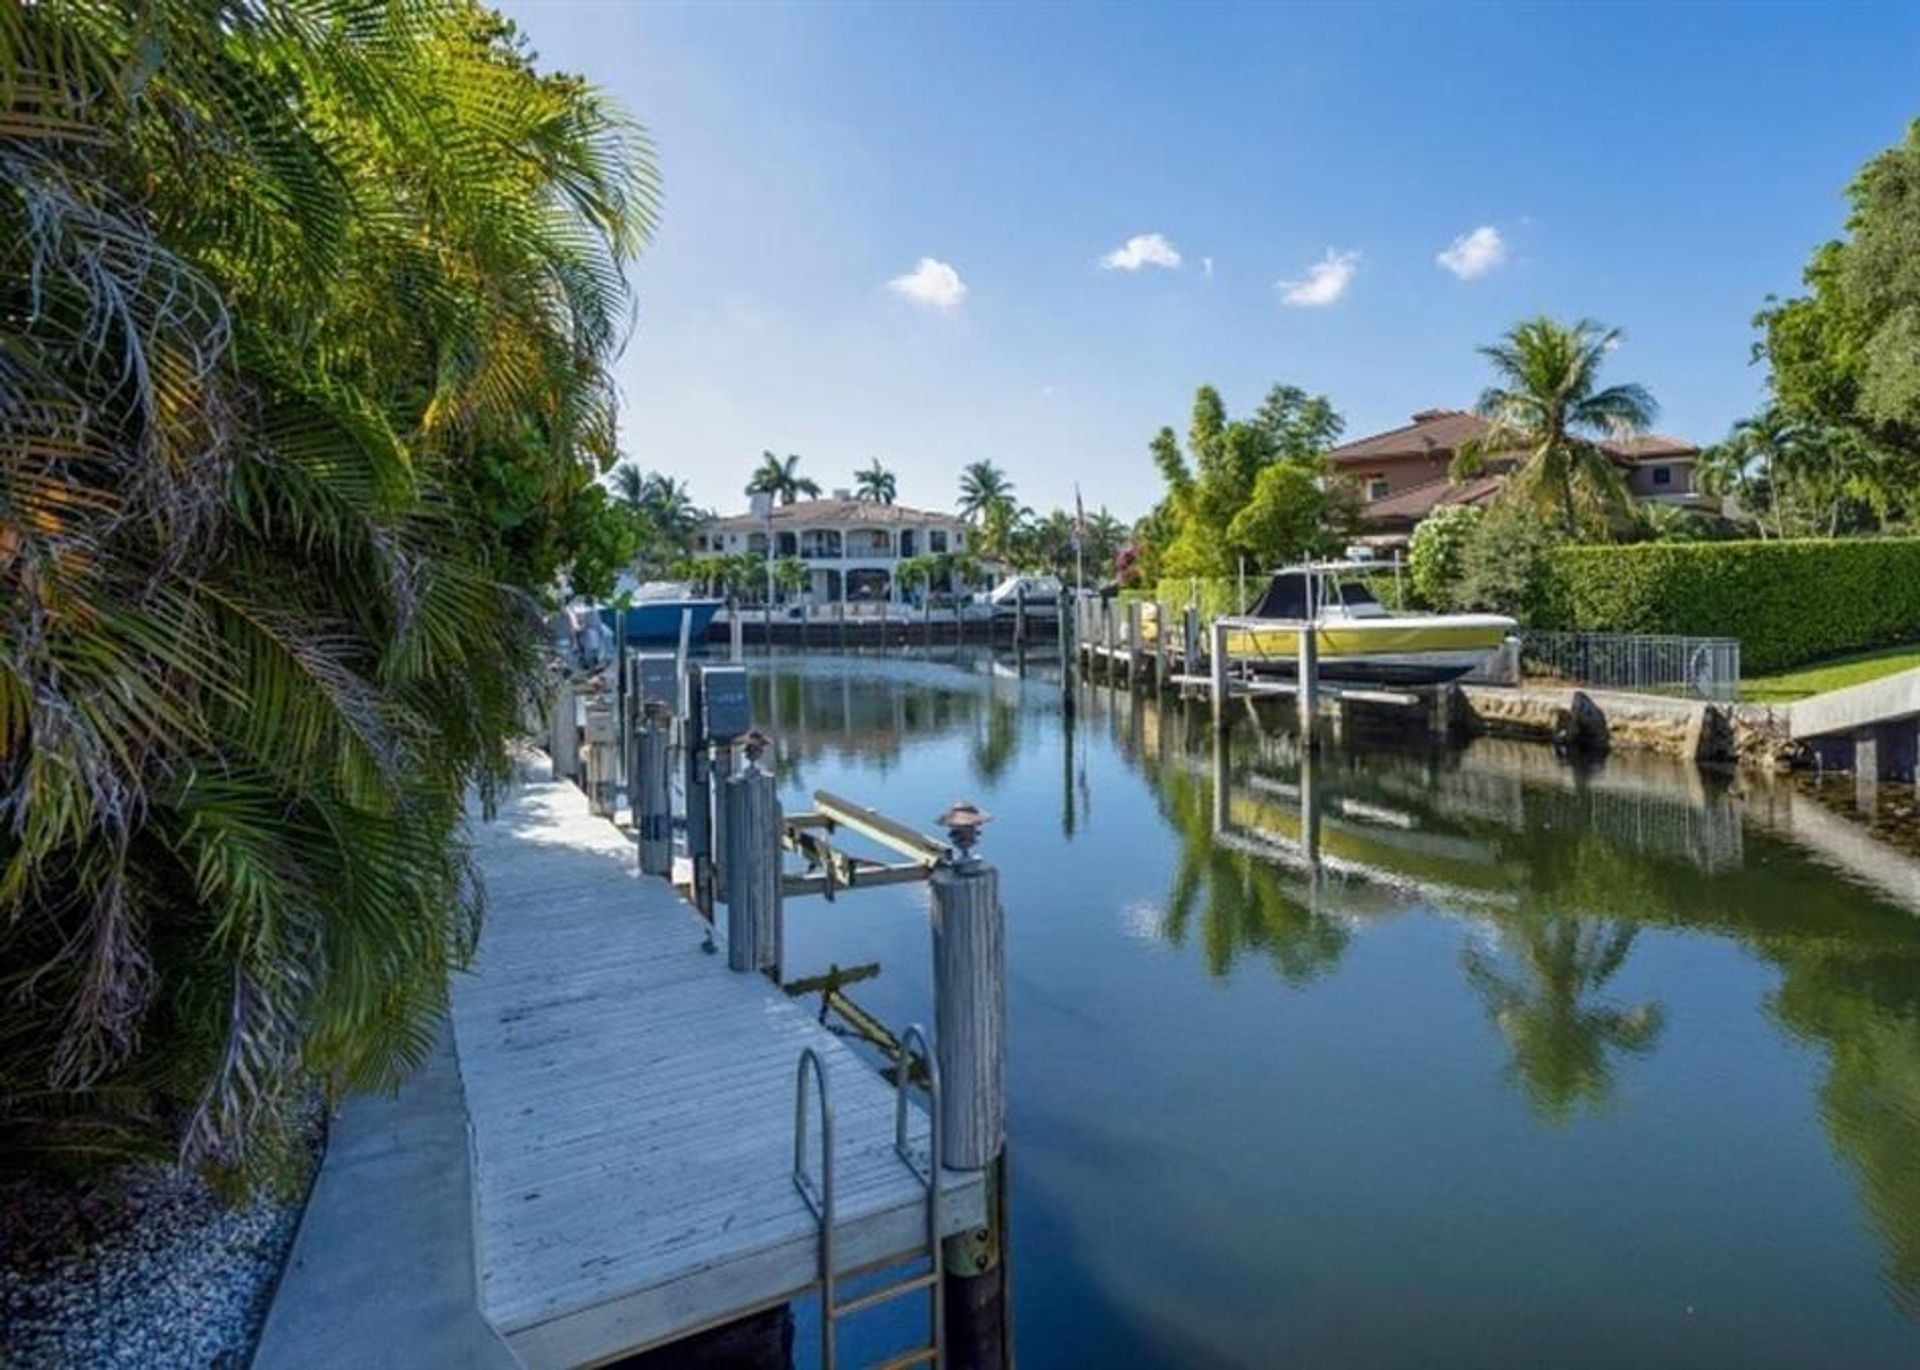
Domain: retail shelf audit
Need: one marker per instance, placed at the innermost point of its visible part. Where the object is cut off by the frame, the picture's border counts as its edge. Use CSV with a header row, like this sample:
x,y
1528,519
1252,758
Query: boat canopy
x,y
1304,592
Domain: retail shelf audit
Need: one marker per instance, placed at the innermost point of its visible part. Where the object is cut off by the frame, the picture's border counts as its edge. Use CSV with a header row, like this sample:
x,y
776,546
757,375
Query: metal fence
x,y
1695,667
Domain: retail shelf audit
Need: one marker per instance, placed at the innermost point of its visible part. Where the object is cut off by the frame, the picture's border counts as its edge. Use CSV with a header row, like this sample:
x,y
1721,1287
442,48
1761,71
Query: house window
x,y
1378,487
1663,475
937,541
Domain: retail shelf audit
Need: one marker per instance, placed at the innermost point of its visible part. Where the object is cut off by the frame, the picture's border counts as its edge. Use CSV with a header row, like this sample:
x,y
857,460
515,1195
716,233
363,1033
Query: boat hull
x,y
658,623
1430,651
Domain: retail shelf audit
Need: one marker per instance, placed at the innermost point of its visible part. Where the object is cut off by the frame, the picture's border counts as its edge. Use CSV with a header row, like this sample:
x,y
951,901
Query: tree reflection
x,y
1539,996
1241,903
1865,1010
996,739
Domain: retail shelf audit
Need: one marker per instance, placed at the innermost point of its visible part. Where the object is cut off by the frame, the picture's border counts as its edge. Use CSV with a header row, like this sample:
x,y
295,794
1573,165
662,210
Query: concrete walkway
x,y
381,1273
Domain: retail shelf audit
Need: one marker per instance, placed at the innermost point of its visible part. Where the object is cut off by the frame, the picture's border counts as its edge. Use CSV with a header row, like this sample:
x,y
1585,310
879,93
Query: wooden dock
x,y
631,1106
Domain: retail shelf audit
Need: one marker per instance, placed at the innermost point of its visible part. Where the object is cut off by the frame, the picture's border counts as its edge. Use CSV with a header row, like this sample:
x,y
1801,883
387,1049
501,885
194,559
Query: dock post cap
x,y
963,821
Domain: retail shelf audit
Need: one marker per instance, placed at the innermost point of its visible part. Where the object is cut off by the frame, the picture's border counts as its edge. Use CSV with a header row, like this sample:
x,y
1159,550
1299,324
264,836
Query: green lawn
x,y
1829,675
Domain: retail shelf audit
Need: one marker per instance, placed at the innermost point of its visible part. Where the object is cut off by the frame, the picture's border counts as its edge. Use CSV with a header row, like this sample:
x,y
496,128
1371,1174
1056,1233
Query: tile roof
x,y
1432,430
1417,501
837,512
1437,432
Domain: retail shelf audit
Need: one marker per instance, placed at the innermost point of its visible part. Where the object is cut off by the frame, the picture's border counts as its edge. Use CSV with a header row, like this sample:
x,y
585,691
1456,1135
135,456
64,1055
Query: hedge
x,y
1788,602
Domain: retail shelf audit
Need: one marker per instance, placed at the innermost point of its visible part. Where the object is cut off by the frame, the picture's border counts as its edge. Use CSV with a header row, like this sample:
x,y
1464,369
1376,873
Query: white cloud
x,y
932,283
1326,281
1474,254
1206,267
1142,249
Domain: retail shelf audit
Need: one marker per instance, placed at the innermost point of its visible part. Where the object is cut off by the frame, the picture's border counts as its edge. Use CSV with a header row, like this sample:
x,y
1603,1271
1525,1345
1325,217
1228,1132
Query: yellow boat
x,y
1359,639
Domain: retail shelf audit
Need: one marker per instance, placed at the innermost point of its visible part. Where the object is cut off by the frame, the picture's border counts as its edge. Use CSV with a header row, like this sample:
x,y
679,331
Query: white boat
x,y
1359,639
1042,595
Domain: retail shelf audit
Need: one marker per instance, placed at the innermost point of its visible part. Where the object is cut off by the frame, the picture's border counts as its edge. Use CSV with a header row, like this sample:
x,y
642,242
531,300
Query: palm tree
x,y
782,479
290,447
630,486
1549,407
1777,467
982,485
670,508
875,483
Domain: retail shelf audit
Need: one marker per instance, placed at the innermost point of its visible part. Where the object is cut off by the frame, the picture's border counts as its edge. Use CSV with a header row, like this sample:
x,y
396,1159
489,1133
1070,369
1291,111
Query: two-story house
x,y
1402,474
852,547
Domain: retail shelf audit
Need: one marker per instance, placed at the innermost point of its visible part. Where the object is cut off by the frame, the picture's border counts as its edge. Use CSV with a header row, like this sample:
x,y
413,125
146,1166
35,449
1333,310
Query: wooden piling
x,y
736,632
752,861
1190,640
969,962
653,802
1162,645
564,742
1309,681
1135,639
699,791
719,772
1217,675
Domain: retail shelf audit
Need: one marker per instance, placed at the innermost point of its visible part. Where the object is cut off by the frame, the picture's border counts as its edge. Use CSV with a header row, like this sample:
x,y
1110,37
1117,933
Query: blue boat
x,y
653,615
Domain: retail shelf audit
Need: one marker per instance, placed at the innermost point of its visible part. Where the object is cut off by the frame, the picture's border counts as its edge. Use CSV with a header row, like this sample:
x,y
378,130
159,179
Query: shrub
x,y
1437,554
1506,566
1215,596
1787,601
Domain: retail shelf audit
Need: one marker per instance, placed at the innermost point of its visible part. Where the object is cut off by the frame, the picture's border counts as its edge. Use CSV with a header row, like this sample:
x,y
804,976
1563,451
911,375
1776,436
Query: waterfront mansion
x,y
852,547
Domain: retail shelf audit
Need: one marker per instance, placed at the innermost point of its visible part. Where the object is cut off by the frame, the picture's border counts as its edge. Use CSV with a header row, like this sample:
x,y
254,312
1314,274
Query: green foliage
x,y
602,540
1216,480
781,478
1286,517
1507,567
1849,351
875,483
1213,596
1673,523
1436,554
663,517
983,486
1548,405
1788,602
1845,357
305,315
791,575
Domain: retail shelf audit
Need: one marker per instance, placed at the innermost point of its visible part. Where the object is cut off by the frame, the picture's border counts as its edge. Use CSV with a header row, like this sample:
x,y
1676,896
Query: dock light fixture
x,y
963,821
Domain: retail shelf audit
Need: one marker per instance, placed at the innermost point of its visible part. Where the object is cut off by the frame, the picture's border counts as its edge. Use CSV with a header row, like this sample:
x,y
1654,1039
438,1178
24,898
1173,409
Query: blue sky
x,y
1661,168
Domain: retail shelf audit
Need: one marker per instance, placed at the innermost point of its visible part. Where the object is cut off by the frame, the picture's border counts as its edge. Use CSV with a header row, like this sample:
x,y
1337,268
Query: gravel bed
x,y
144,1267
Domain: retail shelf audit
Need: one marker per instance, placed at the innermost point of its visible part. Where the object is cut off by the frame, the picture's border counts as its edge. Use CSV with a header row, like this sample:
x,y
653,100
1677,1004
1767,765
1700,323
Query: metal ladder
x,y
819,1196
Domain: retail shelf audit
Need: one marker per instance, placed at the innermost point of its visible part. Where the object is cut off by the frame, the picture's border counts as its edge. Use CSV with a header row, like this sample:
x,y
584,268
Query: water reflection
x,y
1558,872
1541,985
1602,945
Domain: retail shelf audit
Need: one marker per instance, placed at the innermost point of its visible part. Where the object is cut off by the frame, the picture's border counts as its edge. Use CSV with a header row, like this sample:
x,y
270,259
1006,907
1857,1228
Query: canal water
x,y
1401,1057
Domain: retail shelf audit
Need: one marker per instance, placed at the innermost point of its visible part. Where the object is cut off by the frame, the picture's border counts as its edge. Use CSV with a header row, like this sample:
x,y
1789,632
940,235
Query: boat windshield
x,y
1354,596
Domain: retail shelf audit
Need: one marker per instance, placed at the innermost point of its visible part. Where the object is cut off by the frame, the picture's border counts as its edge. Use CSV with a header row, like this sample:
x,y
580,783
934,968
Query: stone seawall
x,y
1598,721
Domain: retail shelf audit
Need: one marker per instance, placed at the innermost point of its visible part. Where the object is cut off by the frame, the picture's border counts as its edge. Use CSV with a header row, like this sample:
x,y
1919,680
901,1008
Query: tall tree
x,y
1213,482
781,478
982,485
1548,405
873,482
1846,355
289,443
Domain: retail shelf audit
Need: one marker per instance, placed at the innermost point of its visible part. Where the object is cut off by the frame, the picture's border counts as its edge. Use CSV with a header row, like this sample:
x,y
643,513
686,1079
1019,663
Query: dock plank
x,y
631,1107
